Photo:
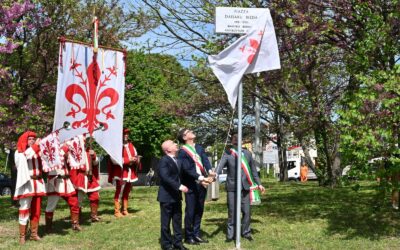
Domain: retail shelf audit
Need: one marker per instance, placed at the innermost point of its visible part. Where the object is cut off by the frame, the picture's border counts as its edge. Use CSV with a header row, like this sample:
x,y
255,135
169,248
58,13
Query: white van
x,y
294,171
294,155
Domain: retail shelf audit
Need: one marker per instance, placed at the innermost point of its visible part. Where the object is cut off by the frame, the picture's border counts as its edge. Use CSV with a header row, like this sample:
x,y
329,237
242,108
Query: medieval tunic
x,y
29,179
59,185
80,177
128,172
59,182
30,186
123,178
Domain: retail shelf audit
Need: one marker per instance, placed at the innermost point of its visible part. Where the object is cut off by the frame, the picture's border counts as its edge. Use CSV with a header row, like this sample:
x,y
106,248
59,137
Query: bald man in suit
x,y
170,197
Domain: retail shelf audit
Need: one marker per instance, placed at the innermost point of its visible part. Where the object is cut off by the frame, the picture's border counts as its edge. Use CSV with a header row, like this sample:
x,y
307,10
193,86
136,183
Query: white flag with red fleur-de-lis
x,y
254,52
90,92
50,153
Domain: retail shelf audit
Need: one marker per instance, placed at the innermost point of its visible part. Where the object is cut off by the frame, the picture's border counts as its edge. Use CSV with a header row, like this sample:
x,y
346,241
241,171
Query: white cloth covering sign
x,y
254,52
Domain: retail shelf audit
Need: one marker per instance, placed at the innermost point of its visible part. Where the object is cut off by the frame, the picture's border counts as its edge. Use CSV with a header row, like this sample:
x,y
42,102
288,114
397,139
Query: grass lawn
x,y
292,216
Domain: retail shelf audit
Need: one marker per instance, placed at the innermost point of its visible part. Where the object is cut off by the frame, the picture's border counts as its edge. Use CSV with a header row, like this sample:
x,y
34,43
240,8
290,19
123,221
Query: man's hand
x,y
261,188
204,183
209,179
212,174
184,189
91,152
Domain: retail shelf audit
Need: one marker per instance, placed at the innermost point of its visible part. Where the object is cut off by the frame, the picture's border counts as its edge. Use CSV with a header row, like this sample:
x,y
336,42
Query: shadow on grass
x,y
221,224
347,212
60,227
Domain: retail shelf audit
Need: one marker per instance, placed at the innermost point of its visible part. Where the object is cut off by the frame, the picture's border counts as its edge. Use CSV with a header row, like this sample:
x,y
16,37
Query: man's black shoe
x,y
180,247
200,240
191,242
248,237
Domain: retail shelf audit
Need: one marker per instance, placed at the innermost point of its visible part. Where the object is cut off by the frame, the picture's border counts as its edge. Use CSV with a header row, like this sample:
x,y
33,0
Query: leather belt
x,y
36,177
63,177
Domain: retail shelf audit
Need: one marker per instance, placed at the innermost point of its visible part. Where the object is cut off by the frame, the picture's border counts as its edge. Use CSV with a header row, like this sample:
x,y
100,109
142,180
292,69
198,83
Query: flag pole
x,y
95,34
95,50
238,167
95,31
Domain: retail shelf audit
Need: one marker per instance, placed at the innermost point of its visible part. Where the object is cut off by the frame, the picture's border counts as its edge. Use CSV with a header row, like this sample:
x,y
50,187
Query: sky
x,y
147,41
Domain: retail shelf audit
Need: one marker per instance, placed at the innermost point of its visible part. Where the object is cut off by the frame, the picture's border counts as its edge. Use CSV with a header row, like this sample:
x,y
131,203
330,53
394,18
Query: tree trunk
x,y
280,142
309,160
336,161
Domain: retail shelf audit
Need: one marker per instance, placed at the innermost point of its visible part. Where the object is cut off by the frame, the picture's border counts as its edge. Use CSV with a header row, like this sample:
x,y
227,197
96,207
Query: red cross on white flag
x,y
254,52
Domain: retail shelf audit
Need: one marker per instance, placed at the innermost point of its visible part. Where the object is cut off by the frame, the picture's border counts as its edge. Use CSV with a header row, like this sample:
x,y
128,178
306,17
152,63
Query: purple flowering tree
x,y
20,21
16,18
29,50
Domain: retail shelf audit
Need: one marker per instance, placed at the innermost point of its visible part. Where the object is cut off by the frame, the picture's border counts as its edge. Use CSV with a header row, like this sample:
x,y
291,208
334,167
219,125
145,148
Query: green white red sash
x,y
254,194
191,151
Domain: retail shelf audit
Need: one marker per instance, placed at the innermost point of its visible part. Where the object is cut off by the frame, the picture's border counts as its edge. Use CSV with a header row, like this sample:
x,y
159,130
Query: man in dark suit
x,y
197,174
229,159
170,197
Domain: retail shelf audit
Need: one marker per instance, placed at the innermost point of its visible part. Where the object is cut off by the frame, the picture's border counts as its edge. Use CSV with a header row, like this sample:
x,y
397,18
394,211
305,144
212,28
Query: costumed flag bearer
x,y
125,176
30,186
86,180
60,185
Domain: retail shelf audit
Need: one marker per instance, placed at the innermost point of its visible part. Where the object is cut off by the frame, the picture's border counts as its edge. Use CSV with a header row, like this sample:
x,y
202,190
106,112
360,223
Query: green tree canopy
x,y
156,90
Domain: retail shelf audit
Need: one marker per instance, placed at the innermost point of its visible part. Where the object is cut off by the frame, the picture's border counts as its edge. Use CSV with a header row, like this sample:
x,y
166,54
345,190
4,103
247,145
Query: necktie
x,y
177,165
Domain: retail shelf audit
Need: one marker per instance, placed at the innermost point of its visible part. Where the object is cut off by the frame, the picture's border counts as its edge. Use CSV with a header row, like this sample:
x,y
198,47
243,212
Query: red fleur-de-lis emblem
x,y
252,48
254,44
94,91
76,151
49,151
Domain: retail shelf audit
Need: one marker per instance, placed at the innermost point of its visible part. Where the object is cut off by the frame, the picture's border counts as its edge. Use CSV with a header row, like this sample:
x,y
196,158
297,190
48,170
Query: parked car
x,y
5,185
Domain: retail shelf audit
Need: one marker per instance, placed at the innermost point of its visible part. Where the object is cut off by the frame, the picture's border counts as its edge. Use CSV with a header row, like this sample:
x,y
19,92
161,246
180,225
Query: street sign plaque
x,y
232,20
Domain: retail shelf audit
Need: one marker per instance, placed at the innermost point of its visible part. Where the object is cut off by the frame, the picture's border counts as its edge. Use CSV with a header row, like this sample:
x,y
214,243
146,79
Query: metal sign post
x,y
232,20
238,167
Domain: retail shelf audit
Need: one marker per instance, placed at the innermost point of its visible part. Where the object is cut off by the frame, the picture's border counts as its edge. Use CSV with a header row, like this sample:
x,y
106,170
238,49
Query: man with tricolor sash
x,y
251,185
197,175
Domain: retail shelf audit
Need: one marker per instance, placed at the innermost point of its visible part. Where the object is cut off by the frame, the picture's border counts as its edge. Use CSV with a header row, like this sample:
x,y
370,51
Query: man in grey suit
x,y
229,160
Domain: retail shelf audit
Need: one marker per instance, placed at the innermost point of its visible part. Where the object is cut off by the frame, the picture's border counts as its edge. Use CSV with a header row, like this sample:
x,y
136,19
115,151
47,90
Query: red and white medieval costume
x,y
30,186
124,177
87,183
59,185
